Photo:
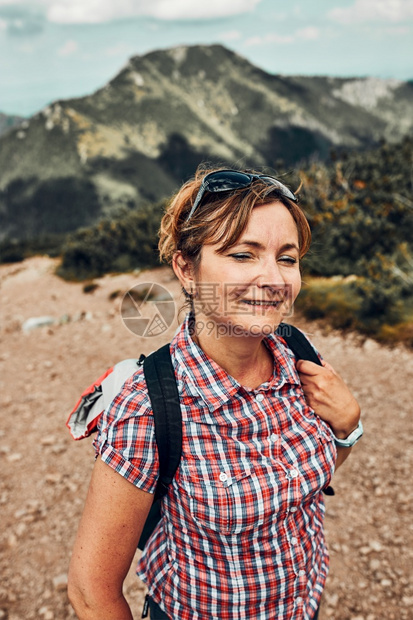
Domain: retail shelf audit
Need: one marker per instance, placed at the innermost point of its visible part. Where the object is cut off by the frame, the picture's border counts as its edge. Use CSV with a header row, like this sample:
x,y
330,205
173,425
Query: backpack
x,y
163,393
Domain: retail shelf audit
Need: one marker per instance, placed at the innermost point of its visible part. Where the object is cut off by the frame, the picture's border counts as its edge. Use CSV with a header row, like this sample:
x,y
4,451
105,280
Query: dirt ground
x,y
45,473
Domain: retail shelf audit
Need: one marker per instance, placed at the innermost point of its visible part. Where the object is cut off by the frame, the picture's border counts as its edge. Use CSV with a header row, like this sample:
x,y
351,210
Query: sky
x,y
57,49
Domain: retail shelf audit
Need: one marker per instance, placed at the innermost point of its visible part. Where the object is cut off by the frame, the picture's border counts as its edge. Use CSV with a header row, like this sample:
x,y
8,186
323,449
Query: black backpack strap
x,y
298,343
166,407
303,350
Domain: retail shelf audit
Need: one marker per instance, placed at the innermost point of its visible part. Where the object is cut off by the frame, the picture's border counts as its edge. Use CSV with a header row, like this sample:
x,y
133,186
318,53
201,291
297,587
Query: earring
x,y
189,295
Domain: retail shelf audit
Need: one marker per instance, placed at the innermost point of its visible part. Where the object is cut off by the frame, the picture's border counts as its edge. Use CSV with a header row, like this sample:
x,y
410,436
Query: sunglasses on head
x,y
231,180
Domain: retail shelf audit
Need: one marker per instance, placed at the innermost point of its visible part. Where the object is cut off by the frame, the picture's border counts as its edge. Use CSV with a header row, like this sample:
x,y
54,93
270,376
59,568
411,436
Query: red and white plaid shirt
x,y
242,529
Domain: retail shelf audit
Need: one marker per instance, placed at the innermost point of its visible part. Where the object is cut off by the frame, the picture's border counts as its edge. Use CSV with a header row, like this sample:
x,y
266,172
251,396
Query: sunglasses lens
x,y
226,180
230,180
283,189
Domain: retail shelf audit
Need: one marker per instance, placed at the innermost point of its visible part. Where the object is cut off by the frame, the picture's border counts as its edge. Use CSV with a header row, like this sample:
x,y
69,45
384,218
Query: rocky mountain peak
x,y
134,140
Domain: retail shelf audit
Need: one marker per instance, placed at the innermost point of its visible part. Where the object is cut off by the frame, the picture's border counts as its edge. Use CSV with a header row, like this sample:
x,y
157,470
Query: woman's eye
x,y
240,256
291,260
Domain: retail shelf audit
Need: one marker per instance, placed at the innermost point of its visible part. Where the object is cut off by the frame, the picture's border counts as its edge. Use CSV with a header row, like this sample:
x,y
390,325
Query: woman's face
x,y
251,287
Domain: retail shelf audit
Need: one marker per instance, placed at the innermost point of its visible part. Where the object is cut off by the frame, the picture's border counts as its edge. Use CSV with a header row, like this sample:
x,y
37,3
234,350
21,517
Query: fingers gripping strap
x,y
163,392
302,349
298,343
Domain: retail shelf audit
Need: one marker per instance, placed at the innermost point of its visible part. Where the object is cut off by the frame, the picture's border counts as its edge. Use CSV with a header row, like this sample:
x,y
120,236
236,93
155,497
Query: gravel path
x,y
45,473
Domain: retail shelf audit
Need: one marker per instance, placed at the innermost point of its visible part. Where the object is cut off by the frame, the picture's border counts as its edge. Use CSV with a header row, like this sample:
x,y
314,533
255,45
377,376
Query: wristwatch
x,y
352,439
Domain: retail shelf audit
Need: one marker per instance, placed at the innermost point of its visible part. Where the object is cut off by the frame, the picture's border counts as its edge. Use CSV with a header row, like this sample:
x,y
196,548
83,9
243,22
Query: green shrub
x,y
123,243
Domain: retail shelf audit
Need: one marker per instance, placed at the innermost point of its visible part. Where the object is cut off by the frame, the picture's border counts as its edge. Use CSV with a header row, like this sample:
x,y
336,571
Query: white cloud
x,y
68,48
272,37
394,11
231,35
27,48
310,33
99,11
121,49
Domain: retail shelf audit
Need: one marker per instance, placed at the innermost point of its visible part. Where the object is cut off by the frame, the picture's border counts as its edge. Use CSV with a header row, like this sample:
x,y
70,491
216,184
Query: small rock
x,y
375,545
71,486
386,583
331,599
14,457
20,513
36,322
20,529
12,540
3,614
59,448
48,440
60,582
374,564
53,478
33,505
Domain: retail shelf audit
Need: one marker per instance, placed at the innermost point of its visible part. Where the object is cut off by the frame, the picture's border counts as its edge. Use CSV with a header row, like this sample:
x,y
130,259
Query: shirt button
x,y
294,540
301,573
299,600
274,437
293,473
259,398
223,477
293,509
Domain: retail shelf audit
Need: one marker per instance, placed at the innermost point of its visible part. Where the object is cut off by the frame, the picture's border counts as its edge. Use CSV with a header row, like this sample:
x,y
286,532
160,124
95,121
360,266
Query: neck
x,y
246,358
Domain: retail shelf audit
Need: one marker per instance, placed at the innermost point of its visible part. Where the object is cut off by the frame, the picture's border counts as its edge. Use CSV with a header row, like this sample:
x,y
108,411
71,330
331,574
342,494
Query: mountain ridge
x,y
137,138
8,121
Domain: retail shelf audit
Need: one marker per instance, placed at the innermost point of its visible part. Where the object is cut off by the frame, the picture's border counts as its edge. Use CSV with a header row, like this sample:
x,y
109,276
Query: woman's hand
x,y
326,393
109,531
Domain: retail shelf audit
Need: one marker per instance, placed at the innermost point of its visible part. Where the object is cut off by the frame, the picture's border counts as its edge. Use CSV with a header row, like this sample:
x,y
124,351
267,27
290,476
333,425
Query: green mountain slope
x,y
135,140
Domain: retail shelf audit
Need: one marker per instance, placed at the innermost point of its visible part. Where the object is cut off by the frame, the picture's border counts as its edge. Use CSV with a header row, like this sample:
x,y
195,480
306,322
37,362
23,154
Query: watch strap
x,y
352,439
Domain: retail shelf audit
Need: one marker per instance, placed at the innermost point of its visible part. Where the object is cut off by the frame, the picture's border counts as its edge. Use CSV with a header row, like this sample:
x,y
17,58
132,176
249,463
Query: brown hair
x,y
221,218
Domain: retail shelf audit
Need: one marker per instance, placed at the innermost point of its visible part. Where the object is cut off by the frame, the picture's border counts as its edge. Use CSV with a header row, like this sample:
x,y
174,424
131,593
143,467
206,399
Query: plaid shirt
x,y
242,529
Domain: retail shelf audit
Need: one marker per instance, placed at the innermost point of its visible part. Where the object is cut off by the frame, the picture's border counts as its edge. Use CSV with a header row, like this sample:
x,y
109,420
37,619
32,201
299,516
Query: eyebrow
x,y
259,246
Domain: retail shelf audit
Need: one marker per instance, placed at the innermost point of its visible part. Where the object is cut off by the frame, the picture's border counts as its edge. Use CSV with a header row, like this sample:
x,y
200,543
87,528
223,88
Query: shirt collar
x,y
211,382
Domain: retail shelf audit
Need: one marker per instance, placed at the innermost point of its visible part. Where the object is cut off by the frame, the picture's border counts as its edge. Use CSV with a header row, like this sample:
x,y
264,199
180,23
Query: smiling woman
x,y
255,281
241,534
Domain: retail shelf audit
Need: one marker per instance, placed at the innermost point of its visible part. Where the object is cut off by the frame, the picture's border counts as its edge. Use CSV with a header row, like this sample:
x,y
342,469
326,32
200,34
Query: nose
x,y
271,276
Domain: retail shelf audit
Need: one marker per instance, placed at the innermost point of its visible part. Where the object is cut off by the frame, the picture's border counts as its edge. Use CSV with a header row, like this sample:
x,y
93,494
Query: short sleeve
x,y
126,435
